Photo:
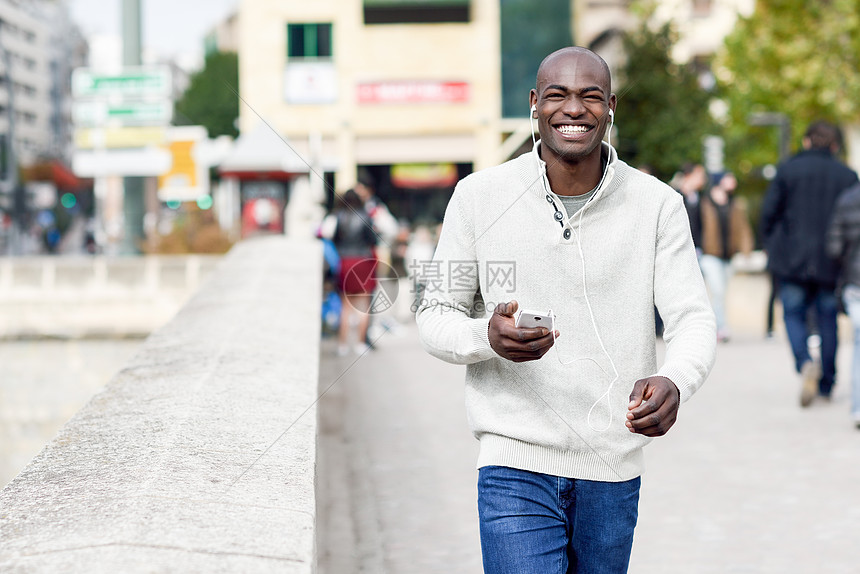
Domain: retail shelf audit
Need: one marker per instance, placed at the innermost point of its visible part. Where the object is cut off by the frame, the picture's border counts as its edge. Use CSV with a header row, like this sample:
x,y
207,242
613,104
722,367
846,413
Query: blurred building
x,y
413,94
374,85
39,46
224,36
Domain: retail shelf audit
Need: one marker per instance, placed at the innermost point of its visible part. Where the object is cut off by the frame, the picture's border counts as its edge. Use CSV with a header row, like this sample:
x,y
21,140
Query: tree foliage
x,y
211,99
800,58
662,112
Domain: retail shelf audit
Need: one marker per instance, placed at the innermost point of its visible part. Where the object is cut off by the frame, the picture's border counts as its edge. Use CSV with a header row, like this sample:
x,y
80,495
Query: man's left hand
x,y
653,407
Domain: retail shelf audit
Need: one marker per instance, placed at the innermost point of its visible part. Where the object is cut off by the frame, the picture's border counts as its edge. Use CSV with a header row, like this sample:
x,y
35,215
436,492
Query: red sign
x,y
413,92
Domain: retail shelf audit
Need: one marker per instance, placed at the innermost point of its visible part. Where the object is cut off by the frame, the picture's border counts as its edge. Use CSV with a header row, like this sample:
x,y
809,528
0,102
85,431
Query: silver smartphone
x,y
525,319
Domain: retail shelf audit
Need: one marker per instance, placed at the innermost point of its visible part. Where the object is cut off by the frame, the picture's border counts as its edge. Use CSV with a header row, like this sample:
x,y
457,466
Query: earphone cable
x,y
543,176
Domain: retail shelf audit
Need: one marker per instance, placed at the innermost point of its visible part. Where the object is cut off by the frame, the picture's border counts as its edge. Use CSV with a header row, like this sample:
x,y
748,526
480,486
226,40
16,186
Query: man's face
x,y
698,178
573,102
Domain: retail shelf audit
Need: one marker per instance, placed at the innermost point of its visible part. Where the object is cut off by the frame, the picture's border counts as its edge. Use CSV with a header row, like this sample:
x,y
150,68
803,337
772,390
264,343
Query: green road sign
x,y
131,83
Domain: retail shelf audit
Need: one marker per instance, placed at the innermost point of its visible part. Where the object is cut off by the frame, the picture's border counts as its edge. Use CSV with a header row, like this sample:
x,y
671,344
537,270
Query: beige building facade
x,y
373,93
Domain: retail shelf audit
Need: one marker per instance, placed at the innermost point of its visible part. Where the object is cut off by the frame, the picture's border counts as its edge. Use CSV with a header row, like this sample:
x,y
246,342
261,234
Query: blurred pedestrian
x,y
795,216
561,437
843,244
384,224
354,239
385,227
726,231
690,185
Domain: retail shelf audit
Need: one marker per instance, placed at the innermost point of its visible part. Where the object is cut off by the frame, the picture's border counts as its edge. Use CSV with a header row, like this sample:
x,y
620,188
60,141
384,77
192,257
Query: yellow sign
x,y
183,173
188,176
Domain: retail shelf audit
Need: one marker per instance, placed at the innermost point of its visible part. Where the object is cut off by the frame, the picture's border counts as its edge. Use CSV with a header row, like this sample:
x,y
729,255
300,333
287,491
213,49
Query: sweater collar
x,y
608,170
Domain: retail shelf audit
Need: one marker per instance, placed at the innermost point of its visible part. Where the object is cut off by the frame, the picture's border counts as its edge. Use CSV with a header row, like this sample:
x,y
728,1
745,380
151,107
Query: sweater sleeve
x,y
445,308
682,300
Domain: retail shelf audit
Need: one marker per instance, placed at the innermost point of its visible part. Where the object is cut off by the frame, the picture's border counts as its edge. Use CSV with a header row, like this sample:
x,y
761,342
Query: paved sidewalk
x,y
397,490
747,481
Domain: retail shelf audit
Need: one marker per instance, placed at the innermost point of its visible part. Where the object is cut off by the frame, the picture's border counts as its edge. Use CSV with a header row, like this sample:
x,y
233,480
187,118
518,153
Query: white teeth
x,y
572,129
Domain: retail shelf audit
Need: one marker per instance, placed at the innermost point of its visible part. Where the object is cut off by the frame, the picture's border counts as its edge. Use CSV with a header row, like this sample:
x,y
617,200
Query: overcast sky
x,y
171,28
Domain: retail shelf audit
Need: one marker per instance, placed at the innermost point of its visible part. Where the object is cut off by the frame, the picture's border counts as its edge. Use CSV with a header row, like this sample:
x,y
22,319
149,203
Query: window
x,y
523,50
702,8
415,11
309,41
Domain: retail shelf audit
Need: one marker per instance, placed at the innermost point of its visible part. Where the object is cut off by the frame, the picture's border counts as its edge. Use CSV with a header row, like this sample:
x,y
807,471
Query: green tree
x,y
662,110
211,99
795,57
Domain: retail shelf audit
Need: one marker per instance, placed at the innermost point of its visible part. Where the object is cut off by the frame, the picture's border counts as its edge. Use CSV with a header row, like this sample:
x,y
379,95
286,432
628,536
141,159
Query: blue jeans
x,y
535,523
796,298
851,296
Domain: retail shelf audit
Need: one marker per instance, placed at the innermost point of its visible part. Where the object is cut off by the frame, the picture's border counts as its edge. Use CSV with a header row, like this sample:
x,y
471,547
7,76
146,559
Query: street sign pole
x,y
134,202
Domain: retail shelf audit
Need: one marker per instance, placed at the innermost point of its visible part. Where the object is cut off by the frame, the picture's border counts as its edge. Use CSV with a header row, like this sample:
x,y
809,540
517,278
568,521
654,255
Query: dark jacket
x,y
353,235
796,214
694,214
843,237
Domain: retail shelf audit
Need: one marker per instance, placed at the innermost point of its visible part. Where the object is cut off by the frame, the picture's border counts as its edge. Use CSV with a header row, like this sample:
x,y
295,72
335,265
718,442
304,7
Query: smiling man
x,y
600,243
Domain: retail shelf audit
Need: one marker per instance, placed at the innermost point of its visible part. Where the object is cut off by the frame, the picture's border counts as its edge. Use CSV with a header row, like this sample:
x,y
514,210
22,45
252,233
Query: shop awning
x,y
55,172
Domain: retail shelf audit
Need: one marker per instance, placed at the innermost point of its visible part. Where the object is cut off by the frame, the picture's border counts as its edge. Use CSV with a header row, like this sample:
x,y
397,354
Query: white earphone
x,y
616,377
611,123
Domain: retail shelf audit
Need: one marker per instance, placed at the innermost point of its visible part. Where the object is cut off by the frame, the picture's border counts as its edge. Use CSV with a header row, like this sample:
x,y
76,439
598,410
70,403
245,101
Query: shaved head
x,y
573,104
570,57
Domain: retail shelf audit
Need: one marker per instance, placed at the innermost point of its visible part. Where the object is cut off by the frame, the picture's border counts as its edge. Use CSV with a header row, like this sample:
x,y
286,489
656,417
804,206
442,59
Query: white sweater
x,y
500,242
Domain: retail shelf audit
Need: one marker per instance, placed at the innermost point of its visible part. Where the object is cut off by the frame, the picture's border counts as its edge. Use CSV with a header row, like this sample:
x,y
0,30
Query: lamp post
x,y
775,119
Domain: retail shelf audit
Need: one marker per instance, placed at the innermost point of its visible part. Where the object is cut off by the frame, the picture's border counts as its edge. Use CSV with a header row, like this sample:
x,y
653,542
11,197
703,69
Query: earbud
x,y
611,123
534,111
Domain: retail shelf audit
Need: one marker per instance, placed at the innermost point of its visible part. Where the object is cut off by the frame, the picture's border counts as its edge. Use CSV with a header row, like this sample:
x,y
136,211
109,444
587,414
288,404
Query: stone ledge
x,y
200,455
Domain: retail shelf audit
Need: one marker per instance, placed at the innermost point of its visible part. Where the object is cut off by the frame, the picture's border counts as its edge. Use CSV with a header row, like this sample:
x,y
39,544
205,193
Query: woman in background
x,y
354,238
726,231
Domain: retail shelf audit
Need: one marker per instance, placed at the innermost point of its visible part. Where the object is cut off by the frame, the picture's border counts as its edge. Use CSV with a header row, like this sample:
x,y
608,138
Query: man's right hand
x,y
517,345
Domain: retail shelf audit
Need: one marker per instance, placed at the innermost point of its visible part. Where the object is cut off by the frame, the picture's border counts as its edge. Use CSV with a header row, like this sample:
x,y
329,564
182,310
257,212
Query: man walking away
x,y
795,216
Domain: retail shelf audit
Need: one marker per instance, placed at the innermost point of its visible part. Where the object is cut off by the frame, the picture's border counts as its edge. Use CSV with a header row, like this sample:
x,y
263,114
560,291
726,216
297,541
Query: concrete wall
x,y
75,297
200,455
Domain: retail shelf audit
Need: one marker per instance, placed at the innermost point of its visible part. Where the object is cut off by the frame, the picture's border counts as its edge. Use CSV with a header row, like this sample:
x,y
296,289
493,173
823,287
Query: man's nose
x,y
573,106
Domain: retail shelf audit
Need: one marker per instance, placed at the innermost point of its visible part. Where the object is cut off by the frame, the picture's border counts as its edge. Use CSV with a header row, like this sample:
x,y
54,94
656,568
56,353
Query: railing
x,y
95,296
200,455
